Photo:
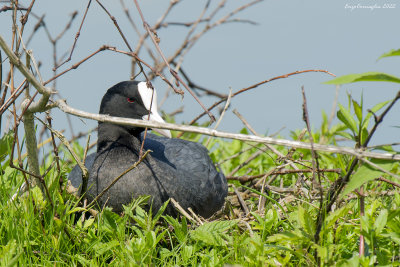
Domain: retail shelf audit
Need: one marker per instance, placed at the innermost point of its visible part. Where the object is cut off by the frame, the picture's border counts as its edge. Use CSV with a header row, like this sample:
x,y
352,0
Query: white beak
x,y
148,95
156,117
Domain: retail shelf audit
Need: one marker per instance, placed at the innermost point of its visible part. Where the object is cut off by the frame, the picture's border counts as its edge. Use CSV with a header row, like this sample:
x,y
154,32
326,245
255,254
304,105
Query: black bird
x,y
175,168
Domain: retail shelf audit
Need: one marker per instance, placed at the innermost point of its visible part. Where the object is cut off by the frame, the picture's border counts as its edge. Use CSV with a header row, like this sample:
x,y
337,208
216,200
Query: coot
x,y
175,168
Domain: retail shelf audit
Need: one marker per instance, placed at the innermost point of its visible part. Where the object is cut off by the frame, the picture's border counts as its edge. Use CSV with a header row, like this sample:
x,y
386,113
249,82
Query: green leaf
x,y
160,212
394,213
376,108
101,248
5,143
14,261
394,236
363,135
110,219
391,53
305,221
88,223
344,115
151,239
284,237
345,135
138,202
180,229
352,262
7,252
366,173
38,197
212,233
357,110
275,247
364,77
336,215
380,222
187,252
269,198
76,209
141,218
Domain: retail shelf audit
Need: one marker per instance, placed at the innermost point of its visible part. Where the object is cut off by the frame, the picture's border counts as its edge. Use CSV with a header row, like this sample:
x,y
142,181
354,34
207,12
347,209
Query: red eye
x,y
130,99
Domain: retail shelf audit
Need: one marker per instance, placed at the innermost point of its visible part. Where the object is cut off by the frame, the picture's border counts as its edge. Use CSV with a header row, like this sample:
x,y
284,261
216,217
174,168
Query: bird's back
x,y
205,187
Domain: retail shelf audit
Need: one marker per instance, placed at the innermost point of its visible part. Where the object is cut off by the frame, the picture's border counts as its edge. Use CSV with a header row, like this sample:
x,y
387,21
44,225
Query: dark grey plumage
x,y
176,168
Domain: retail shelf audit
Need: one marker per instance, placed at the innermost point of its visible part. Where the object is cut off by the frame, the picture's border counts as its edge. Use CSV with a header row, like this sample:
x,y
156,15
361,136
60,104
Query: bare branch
x,y
23,69
388,181
268,140
256,85
76,36
246,178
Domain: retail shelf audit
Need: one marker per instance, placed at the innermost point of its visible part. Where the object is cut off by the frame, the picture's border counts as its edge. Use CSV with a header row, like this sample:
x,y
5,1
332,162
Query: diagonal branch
x,y
23,69
256,85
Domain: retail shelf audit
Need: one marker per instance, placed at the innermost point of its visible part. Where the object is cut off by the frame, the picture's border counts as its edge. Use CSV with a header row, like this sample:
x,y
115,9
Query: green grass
x,y
55,231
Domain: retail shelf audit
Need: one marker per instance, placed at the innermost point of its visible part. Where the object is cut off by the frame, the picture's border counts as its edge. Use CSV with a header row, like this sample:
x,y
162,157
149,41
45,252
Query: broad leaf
x,y
391,53
366,173
364,77
332,218
212,233
101,248
110,219
393,236
345,116
305,221
88,223
363,135
380,222
284,237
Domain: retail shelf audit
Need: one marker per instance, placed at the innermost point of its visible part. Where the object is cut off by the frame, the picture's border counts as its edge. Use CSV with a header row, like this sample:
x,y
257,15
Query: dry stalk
x,y
314,155
182,210
195,216
241,201
228,102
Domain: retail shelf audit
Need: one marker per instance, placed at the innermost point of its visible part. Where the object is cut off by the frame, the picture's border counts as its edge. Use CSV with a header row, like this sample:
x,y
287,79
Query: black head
x,y
131,99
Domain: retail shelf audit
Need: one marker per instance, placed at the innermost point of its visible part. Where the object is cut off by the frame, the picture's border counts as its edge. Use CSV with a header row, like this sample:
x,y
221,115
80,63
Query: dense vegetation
x,y
276,226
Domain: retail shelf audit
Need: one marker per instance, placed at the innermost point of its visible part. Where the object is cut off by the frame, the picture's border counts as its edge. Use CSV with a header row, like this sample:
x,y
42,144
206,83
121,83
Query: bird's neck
x,y
109,134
